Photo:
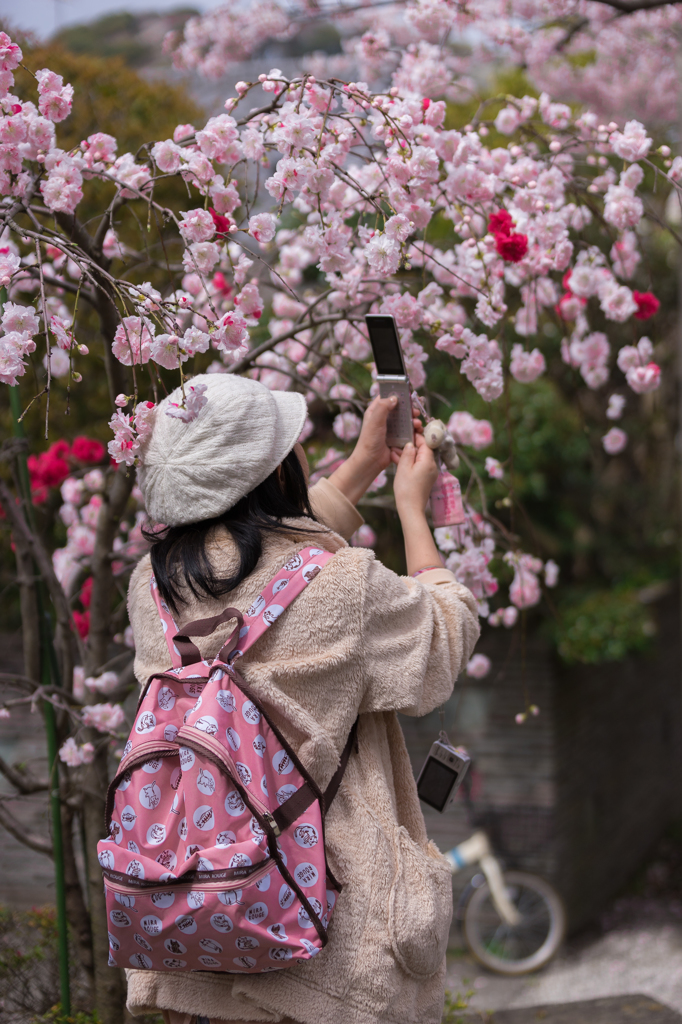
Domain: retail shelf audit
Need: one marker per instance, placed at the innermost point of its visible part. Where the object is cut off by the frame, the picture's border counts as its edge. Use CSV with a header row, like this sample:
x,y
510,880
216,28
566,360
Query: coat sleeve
x,y
334,509
416,637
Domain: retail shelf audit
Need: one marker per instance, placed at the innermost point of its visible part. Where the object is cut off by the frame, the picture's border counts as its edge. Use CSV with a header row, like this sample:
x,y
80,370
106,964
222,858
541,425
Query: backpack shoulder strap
x,y
281,591
170,627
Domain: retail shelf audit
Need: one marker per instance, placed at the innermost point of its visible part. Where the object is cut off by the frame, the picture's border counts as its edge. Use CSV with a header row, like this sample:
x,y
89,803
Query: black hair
x,y
178,553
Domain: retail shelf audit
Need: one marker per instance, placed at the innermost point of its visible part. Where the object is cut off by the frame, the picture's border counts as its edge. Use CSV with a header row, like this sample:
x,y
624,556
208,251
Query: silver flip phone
x,y
442,774
391,377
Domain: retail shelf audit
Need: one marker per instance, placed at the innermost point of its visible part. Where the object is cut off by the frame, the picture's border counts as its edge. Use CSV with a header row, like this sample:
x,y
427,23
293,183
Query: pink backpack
x,y
215,859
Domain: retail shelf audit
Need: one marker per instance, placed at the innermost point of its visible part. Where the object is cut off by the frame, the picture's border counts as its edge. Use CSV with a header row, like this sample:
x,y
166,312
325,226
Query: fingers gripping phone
x,y
391,377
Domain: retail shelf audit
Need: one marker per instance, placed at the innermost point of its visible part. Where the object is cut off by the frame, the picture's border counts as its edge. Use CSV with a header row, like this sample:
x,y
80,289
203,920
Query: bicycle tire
x,y
509,949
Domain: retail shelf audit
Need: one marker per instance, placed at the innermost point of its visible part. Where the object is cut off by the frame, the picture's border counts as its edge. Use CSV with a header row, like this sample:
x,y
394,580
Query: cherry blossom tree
x,y
604,53
309,202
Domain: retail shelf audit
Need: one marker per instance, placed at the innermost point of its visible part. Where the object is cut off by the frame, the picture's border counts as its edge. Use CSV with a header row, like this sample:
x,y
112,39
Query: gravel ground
x,y
635,948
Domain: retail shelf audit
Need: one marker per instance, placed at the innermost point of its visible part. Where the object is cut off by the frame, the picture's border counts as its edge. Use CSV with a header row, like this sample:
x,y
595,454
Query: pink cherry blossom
x,y
195,400
525,591
526,366
70,753
143,419
614,441
478,666
60,362
20,341
201,257
644,378
62,331
508,120
105,684
103,717
347,426
215,139
294,132
11,363
263,226
197,226
165,350
133,340
471,568
9,263
622,207
231,334
10,53
632,143
195,340
20,318
510,616
466,429
494,469
383,255
167,156
100,149
615,407
249,300
551,573
364,537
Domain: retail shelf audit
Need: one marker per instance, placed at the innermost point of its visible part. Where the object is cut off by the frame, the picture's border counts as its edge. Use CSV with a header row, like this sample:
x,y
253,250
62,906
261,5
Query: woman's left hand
x,y
371,453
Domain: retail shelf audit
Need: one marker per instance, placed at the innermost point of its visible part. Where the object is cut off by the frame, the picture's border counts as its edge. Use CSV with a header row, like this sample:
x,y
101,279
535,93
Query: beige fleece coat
x,y
358,640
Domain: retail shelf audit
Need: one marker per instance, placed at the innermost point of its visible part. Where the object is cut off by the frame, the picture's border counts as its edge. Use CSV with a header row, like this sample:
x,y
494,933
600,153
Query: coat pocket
x,y
420,906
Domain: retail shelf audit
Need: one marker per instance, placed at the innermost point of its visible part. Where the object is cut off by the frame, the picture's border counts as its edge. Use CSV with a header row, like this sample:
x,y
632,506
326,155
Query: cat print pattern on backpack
x,y
215,859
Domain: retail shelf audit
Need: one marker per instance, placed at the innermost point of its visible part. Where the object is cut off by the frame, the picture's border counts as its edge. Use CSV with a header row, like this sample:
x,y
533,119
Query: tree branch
x,y
18,830
43,562
20,780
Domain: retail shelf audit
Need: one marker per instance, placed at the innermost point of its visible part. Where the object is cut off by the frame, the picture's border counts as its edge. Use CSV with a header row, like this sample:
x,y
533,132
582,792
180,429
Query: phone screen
x,y
435,783
386,346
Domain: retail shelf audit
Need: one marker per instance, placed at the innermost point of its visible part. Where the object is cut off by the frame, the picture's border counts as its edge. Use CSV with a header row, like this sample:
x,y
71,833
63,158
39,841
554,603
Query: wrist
x,y
352,478
411,512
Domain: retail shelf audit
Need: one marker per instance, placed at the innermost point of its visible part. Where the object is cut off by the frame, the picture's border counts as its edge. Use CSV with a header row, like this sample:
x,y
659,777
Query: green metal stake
x,y
48,676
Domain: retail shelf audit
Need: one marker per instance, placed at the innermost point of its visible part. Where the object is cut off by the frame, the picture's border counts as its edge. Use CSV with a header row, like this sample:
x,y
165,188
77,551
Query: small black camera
x,y
442,774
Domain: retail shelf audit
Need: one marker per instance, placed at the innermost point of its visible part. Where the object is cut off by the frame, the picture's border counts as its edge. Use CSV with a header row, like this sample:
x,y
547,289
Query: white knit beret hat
x,y
197,470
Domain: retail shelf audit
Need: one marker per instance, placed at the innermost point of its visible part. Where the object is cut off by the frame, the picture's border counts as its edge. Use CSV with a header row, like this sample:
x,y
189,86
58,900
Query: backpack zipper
x,y
215,751
207,886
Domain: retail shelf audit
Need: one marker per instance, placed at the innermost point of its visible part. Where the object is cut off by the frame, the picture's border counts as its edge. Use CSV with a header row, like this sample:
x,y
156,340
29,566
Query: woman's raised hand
x,y
371,453
415,476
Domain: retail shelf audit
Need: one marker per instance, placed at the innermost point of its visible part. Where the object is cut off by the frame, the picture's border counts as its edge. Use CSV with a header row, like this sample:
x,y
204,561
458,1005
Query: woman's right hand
x,y
415,476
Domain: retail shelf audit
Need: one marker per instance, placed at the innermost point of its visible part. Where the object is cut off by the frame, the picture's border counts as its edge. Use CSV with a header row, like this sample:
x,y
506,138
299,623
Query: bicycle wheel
x,y
515,949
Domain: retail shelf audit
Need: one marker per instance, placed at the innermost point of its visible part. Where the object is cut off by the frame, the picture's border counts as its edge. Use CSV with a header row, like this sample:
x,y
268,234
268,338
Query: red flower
x,y
86,450
49,469
500,223
512,248
647,305
86,593
222,224
220,282
81,621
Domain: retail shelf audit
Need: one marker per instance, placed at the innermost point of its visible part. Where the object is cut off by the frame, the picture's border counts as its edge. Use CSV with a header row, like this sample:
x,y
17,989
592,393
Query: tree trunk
x,y
108,521
29,609
76,909
108,982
